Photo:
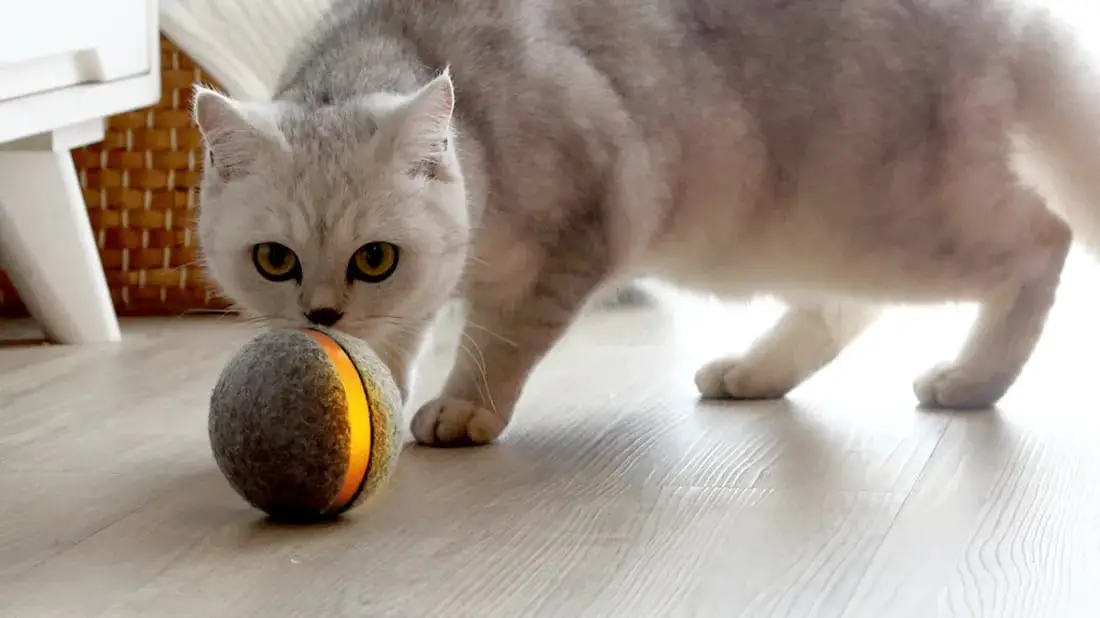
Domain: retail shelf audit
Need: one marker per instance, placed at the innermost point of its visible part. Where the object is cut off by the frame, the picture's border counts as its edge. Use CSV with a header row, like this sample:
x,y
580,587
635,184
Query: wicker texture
x,y
140,186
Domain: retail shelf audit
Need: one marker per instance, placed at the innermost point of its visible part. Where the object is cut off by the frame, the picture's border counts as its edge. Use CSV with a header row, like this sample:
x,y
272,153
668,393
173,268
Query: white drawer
x,y
49,44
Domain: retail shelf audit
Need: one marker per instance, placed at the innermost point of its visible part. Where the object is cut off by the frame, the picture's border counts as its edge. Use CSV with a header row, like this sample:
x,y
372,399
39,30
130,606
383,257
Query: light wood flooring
x,y
614,493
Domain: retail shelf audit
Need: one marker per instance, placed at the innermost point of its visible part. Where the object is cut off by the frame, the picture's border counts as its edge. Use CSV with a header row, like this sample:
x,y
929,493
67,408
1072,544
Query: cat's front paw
x,y
731,378
958,388
455,422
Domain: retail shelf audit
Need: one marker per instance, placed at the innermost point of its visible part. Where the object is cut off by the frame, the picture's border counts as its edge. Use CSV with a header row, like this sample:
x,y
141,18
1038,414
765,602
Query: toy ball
x,y
304,423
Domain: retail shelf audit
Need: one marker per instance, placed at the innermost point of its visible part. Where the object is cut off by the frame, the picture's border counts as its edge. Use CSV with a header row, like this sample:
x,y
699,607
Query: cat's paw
x,y
732,378
954,387
455,422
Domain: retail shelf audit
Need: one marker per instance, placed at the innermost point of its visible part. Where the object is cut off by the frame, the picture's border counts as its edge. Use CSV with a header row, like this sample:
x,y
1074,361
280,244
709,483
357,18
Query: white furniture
x,y
65,66
243,44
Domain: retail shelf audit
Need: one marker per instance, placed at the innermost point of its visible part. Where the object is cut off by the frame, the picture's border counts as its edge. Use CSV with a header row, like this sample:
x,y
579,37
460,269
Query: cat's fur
x,y
840,154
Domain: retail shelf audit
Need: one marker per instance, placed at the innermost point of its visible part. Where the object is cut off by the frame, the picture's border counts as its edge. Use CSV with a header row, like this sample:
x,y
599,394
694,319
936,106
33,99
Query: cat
x,y
840,155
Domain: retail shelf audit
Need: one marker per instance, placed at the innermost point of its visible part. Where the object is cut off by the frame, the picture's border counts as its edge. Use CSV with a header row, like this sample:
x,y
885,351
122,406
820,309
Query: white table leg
x,y
48,248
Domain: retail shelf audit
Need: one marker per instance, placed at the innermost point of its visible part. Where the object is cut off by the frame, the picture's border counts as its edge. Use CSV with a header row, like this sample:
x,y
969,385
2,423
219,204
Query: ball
x,y
304,423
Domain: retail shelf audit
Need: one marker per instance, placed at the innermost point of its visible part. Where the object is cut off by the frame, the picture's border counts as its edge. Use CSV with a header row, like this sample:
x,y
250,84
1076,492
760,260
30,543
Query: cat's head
x,y
351,214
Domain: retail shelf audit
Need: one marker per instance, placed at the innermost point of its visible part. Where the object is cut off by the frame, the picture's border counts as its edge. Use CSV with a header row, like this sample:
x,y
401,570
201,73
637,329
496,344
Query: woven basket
x,y
140,187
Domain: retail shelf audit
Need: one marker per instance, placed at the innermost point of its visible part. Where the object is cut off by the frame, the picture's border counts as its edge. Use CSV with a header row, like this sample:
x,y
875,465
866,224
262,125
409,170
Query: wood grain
x,y
615,493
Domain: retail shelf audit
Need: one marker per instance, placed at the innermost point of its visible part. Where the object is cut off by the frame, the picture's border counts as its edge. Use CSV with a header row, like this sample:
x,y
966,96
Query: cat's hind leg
x,y
1011,317
807,337
1007,252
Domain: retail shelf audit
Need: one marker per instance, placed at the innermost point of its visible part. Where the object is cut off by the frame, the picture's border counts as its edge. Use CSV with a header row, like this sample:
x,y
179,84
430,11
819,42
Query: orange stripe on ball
x,y
359,420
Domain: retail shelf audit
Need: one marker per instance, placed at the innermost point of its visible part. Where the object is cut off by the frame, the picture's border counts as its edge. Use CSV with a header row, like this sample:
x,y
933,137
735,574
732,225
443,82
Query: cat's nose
x,y
325,316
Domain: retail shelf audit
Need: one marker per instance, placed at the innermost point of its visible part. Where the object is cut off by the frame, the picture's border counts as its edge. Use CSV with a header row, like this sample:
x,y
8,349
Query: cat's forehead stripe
x,y
327,126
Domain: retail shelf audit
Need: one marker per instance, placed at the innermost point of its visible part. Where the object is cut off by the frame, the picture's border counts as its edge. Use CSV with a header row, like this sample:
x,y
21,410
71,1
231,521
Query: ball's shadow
x,y
300,522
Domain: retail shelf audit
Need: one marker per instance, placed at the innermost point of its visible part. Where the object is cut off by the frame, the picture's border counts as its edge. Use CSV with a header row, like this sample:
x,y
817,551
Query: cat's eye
x,y
276,262
373,262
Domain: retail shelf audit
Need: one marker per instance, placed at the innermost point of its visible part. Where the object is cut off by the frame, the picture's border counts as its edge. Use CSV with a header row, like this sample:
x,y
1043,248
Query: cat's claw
x,y
455,422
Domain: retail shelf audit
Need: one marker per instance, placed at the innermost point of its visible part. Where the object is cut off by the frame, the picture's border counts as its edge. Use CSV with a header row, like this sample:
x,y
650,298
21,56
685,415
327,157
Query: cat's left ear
x,y
424,137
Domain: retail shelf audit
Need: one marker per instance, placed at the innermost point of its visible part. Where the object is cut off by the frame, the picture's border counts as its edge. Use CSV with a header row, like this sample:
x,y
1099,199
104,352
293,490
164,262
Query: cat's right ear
x,y
233,141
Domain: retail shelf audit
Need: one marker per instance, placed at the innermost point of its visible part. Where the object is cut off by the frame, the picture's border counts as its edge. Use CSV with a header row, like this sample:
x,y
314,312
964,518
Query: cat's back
x,y
369,45
772,54
785,92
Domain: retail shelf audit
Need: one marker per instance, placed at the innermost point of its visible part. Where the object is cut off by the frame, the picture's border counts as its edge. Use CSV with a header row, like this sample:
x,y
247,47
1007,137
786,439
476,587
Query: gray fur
x,y
840,154
277,428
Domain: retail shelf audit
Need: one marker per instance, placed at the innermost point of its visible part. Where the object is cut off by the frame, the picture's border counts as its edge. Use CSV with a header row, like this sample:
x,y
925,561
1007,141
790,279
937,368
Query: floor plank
x,y
615,493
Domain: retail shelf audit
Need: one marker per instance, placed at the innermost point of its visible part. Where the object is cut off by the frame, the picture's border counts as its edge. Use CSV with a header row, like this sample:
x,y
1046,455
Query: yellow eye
x,y
373,262
276,262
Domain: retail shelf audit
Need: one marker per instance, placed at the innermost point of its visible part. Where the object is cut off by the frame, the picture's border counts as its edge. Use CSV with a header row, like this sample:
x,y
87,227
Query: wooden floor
x,y
615,493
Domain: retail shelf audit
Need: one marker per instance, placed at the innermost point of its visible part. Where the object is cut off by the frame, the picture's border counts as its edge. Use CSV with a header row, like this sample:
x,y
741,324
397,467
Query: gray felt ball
x,y
304,423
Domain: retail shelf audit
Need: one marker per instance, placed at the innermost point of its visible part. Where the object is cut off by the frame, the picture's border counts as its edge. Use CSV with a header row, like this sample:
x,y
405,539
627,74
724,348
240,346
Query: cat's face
x,y
351,215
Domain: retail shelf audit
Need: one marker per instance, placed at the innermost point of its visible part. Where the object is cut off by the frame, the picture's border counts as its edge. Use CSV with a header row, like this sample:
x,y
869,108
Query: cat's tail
x,y
1058,86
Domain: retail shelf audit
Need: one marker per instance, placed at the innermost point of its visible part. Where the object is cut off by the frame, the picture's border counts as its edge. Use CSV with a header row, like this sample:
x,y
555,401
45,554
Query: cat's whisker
x,y
483,387
491,333
478,383
215,314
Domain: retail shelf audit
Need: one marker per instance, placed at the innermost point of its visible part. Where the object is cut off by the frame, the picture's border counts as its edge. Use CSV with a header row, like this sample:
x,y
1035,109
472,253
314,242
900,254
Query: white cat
x,y
840,154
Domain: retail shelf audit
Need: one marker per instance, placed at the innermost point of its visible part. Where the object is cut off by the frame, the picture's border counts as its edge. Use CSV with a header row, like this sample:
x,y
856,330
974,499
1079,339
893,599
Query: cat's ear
x,y
424,135
233,140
